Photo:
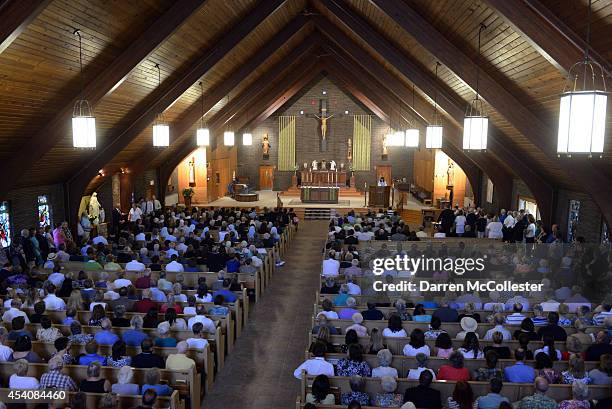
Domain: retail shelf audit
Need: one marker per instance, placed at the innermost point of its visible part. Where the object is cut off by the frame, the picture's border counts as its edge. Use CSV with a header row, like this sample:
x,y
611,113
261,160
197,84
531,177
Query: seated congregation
x,y
143,317
501,349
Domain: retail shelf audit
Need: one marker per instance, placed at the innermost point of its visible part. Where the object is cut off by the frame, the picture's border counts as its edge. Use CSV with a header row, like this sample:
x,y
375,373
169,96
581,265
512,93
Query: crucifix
x,y
323,117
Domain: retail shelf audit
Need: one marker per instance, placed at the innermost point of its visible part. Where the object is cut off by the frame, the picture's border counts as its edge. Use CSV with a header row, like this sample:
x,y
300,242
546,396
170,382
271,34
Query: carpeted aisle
x,y
259,372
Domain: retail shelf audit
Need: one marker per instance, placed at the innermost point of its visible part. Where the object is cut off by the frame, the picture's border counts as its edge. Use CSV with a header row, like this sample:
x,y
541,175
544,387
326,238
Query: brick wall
x,y
24,205
339,129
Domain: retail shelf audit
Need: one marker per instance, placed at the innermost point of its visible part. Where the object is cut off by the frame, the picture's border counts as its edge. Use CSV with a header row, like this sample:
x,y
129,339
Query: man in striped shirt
x,y
516,317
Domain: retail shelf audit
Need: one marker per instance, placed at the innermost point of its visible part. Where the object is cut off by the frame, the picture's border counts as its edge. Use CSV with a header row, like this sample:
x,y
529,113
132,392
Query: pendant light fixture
x,y
83,120
228,135
161,130
476,122
434,131
582,111
202,133
412,132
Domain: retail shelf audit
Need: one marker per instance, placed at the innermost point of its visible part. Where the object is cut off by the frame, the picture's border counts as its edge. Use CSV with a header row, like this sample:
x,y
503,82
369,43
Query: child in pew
x,y
62,348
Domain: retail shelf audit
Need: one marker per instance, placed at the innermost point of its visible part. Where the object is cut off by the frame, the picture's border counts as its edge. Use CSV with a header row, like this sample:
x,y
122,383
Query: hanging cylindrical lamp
x,y
476,122
434,131
83,120
202,133
161,129
582,111
412,134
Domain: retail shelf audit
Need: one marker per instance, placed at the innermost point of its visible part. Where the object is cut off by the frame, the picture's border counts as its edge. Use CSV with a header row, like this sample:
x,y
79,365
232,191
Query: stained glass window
x,y
573,218
44,211
5,225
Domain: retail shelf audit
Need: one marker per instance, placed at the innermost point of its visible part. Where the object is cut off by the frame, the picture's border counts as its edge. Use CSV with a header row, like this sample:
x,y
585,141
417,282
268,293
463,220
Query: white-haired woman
x,y
580,397
384,361
124,385
388,398
360,329
19,379
421,362
164,339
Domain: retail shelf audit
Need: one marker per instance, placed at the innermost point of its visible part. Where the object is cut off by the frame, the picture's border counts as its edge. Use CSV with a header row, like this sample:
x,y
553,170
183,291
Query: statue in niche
x,y
314,165
94,209
265,146
349,149
450,174
385,152
192,173
332,165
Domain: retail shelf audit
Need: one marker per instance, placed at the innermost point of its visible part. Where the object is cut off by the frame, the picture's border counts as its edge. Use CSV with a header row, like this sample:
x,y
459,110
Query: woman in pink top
x,y
443,345
58,236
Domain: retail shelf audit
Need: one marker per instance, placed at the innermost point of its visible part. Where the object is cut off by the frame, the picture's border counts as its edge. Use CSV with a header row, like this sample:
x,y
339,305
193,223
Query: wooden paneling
x,y
266,177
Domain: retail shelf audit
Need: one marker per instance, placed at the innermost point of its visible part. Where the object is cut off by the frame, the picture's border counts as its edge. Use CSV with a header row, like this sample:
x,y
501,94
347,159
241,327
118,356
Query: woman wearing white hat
x,y
468,324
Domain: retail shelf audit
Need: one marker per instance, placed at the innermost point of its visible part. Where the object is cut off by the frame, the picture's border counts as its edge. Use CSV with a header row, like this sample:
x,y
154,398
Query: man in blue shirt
x,y
134,336
106,336
493,398
520,372
91,355
228,296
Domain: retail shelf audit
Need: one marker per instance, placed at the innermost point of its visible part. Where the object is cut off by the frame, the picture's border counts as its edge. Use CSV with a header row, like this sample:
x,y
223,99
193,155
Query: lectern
x,y
379,196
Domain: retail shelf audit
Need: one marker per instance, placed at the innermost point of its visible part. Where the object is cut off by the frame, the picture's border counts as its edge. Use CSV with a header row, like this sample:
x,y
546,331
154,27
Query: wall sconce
x,y
101,173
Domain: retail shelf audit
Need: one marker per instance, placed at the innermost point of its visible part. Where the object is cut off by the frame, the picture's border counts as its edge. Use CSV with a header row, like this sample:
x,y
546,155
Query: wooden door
x,y
384,171
266,177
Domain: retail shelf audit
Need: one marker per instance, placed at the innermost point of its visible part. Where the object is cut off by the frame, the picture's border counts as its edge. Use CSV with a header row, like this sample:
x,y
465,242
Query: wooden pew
x,y
453,328
123,401
404,363
396,345
204,358
188,380
513,391
215,339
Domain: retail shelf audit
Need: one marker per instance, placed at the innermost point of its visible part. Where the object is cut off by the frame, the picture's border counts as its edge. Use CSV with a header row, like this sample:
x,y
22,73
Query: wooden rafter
x,y
15,16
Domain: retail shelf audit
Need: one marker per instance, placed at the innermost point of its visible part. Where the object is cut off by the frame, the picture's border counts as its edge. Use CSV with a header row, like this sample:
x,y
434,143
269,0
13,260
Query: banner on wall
x,y
362,142
286,143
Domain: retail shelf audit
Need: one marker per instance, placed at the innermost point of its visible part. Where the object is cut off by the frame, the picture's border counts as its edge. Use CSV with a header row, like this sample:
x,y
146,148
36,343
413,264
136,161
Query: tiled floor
x,y
259,372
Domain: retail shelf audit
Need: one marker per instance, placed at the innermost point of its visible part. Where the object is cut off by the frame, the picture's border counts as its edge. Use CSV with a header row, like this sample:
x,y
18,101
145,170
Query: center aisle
x,y
258,374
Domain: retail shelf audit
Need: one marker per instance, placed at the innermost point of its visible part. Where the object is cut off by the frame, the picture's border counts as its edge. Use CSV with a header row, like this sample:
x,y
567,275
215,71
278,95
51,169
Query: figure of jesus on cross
x,y
323,118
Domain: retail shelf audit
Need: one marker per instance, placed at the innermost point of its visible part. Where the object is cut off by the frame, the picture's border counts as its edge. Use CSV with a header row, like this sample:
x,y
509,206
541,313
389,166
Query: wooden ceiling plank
x,y
16,15
547,33
168,94
100,86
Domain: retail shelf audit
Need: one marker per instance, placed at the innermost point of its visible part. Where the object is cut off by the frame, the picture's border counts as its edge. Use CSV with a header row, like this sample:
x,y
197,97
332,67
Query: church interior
x,y
270,133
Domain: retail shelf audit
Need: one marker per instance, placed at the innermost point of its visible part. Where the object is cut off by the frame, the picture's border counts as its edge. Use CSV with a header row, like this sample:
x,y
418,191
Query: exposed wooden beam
x,y
180,129
15,16
103,83
516,112
501,179
381,97
168,94
552,38
263,101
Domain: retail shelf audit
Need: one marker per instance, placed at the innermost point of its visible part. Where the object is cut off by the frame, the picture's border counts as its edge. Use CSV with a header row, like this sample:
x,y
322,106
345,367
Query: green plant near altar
x,y
188,192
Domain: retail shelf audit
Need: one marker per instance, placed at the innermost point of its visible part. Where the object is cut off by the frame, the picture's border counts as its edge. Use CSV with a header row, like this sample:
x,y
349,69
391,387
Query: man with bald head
x,y
538,400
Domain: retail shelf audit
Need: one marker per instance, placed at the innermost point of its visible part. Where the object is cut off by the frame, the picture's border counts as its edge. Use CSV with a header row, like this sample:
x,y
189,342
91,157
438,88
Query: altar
x,y
319,194
323,178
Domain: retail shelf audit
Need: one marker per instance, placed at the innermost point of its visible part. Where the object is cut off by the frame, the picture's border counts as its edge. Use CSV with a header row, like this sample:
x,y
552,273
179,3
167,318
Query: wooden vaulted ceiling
x,y
211,40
